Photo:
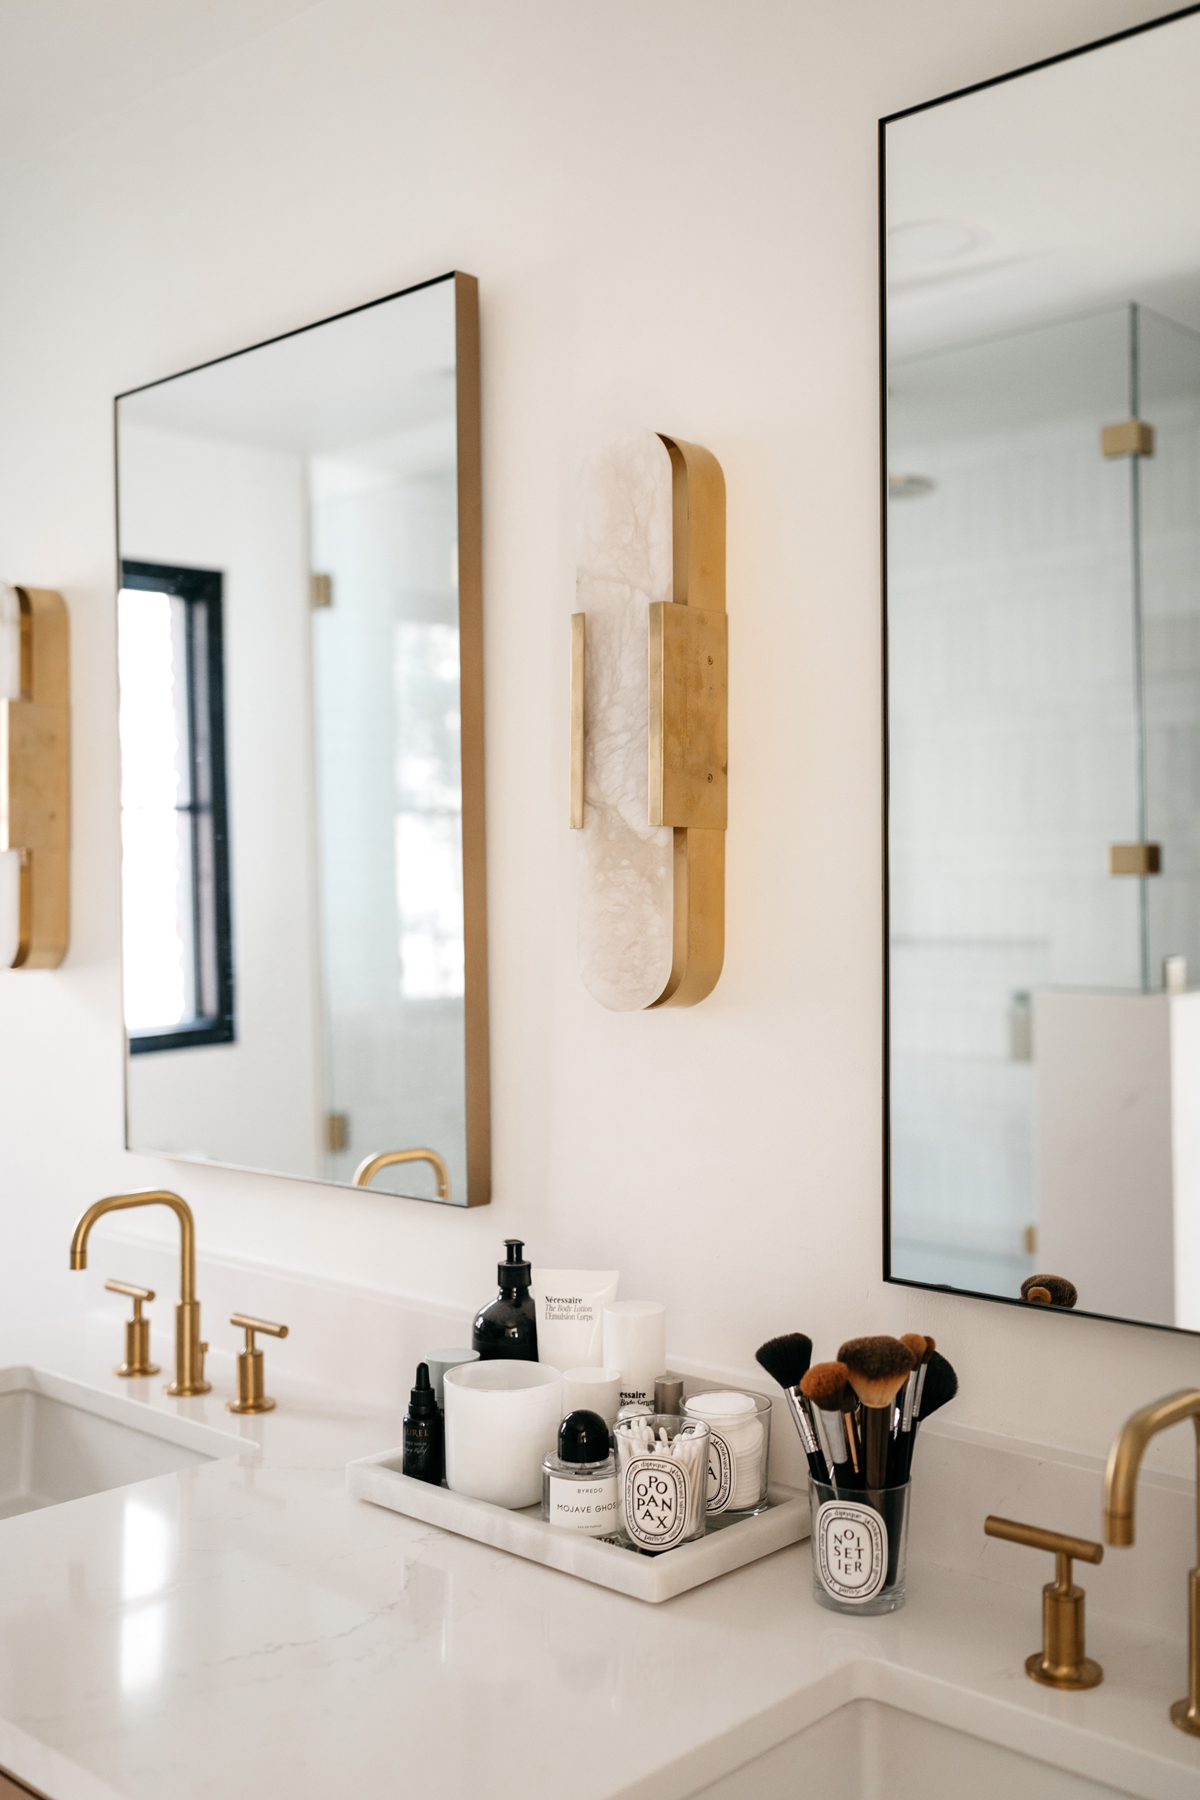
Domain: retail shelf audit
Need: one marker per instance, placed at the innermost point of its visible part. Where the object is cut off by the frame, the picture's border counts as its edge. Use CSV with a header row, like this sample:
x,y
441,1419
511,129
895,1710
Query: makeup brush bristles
x,y
786,1359
877,1366
825,1384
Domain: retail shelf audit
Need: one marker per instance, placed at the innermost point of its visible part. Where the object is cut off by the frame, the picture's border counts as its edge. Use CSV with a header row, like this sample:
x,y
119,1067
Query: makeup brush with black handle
x,y
825,1387
937,1388
878,1368
900,1448
786,1360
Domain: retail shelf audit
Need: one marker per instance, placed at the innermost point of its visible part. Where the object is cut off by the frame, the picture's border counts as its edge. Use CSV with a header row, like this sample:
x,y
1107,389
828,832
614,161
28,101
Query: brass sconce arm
x,y
35,779
189,1350
370,1167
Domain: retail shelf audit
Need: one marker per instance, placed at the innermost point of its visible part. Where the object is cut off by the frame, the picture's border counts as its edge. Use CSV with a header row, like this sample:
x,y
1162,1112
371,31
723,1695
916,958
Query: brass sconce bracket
x,y
687,722
35,779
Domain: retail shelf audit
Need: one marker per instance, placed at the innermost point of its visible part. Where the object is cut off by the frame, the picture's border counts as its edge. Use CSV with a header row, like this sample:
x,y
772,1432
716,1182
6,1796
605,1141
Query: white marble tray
x,y
380,1480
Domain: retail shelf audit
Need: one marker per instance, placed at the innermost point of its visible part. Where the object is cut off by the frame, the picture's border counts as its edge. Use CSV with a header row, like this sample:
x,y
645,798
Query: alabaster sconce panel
x,y
35,778
649,659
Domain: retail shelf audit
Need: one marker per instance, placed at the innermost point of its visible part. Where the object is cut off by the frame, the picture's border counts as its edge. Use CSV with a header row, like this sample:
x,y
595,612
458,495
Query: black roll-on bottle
x,y
507,1329
423,1431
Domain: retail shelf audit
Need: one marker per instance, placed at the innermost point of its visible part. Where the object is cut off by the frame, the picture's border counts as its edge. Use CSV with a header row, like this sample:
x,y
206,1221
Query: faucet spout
x,y
189,1351
1120,1487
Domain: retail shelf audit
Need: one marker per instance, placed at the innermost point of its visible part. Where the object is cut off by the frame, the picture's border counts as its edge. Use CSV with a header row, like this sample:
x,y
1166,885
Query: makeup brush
x,y
878,1367
825,1387
941,1385
786,1361
902,1416
1061,1291
910,1413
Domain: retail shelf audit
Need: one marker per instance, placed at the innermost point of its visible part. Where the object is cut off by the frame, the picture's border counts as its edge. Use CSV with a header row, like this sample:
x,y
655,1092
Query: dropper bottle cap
x,y
423,1401
514,1271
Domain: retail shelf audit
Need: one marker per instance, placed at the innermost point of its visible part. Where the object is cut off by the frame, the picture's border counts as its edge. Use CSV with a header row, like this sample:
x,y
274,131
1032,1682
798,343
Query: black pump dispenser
x,y
423,1431
515,1271
507,1329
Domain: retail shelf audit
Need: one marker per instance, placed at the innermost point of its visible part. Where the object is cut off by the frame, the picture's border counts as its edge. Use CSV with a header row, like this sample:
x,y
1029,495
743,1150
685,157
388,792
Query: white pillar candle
x,y
635,1342
502,1418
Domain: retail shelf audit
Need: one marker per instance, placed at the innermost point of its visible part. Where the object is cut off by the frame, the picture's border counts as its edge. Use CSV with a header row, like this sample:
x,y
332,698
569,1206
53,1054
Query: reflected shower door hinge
x,y
1132,437
321,590
337,1131
1135,859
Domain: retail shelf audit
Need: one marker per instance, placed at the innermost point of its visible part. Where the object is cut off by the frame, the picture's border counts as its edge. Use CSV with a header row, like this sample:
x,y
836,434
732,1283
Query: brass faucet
x,y
1120,1485
189,1351
367,1170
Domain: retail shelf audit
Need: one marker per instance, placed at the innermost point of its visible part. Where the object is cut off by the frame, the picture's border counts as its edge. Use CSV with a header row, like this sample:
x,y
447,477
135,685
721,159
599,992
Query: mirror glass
x,y
300,658
1043,683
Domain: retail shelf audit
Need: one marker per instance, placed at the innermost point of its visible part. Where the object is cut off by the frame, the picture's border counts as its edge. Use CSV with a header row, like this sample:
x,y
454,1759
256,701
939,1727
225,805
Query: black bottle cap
x,y
583,1438
514,1271
422,1402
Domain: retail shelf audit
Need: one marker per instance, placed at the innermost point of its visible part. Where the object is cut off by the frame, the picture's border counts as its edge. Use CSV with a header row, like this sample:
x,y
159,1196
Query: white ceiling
x,y
1054,194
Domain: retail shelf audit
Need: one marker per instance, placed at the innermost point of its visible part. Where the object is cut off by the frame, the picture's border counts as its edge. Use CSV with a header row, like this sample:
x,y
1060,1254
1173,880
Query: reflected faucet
x,y
1120,1485
189,1351
367,1170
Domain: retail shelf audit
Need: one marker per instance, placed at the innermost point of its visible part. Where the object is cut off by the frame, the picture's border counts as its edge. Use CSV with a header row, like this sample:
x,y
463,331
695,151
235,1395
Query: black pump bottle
x,y
423,1431
507,1329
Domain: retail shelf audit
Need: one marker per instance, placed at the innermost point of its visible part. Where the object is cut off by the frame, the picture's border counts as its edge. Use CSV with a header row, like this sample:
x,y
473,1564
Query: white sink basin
x,y
867,1750
61,1439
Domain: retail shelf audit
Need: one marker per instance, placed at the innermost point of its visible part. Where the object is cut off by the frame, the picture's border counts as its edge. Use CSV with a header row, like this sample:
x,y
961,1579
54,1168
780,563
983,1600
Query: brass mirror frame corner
x,y
35,779
474,831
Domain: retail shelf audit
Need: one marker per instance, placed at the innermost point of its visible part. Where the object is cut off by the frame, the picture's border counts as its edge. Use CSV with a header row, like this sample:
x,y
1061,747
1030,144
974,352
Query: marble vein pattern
x,y
625,878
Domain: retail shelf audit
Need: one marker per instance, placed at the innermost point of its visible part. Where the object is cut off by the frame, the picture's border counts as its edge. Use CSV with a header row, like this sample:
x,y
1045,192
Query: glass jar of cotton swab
x,y
662,1470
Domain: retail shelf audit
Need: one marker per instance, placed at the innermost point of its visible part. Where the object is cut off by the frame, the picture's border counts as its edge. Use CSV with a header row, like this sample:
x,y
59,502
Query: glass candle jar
x,y
662,1462
740,1428
859,1547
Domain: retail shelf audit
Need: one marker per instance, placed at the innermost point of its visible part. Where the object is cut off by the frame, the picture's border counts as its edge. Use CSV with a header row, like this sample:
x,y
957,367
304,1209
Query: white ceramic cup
x,y
592,1390
502,1418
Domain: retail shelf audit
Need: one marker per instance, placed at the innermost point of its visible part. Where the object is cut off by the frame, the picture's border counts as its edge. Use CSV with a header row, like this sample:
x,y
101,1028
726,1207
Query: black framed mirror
x,y
1041,354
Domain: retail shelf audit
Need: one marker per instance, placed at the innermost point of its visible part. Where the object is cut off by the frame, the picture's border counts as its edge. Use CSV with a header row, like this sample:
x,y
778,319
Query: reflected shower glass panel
x,y
1011,713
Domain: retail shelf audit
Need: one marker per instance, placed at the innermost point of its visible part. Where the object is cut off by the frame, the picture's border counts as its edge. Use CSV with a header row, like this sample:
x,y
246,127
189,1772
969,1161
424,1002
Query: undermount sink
x,y
61,1439
867,1750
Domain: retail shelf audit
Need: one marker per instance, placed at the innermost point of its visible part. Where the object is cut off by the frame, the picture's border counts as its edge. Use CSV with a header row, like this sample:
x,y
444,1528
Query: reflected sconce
x,y
35,772
649,707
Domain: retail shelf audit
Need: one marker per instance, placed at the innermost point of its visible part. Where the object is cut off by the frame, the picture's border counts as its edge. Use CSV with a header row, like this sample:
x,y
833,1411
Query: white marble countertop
x,y
242,1629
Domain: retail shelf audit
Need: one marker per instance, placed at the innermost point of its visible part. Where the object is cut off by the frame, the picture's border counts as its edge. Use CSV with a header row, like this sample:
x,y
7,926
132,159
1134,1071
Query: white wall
x,y
671,210
244,511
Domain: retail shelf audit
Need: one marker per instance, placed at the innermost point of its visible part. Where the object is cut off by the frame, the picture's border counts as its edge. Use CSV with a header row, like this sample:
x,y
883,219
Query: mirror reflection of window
x,y
429,813
177,958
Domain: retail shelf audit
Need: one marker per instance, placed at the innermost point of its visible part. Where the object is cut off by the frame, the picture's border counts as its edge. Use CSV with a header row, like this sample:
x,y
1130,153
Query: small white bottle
x,y
579,1485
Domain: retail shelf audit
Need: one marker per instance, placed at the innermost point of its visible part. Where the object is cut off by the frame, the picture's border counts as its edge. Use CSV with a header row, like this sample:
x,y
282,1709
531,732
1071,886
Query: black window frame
x,y
201,590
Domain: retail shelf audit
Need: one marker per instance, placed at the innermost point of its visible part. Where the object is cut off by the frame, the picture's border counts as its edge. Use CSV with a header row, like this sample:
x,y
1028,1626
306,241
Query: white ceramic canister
x,y
592,1390
502,1419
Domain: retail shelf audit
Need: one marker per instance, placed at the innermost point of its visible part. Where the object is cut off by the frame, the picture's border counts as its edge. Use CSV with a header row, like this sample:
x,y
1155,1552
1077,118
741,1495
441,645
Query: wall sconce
x,y
35,770
649,707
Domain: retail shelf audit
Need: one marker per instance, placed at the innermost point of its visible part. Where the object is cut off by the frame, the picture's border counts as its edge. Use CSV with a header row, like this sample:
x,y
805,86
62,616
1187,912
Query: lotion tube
x,y
635,1341
570,1315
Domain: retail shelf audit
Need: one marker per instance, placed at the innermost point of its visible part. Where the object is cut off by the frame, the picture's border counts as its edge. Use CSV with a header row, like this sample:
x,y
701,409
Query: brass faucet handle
x,y
137,1331
136,1294
250,1326
250,1395
1060,1663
